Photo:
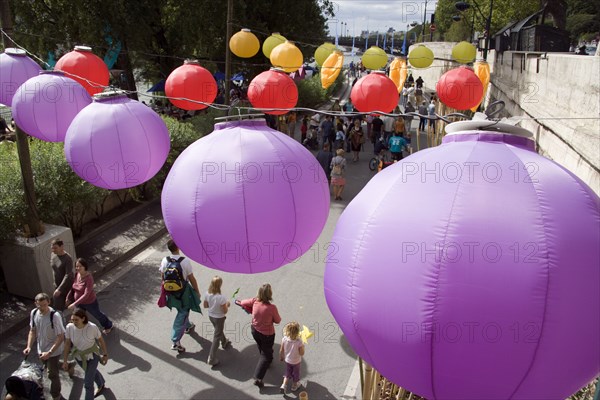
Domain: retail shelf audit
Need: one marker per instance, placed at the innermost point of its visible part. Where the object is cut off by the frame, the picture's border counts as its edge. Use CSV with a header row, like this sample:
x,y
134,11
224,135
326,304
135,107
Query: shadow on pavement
x,y
124,356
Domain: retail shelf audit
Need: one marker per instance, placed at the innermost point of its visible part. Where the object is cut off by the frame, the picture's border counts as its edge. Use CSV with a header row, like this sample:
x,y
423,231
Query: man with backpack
x,y
182,292
46,327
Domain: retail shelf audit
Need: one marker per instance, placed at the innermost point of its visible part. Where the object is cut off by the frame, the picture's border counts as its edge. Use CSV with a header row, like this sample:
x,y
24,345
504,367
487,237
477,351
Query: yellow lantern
x,y
482,70
420,57
323,51
464,53
374,58
287,57
271,42
331,68
398,72
244,44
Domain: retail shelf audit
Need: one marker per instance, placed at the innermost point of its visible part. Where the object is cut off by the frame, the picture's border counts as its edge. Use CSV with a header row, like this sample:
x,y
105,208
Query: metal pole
x,y
32,218
424,21
488,24
227,51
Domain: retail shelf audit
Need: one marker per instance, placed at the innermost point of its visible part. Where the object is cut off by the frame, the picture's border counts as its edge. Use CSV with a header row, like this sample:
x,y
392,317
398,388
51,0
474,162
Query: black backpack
x,y
51,317
173,279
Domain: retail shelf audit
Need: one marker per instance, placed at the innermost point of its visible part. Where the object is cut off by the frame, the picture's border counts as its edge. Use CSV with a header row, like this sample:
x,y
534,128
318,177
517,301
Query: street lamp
x,y
462,6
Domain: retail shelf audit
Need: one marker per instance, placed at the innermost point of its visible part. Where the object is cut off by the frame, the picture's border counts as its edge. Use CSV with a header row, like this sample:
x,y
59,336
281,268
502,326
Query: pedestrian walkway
x,y
125,255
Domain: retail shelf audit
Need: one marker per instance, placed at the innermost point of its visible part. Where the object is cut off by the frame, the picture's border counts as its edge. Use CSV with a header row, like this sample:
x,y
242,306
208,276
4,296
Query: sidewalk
x,y
104,247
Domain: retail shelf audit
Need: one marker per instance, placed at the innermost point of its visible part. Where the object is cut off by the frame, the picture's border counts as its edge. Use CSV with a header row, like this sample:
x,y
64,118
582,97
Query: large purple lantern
x,y
44,106
116,143
471,270
15,69
245,198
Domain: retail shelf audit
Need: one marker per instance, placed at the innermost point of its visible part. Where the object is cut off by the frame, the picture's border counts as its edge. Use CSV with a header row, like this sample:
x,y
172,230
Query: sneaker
x,y
107,330
259,383
190,328
227,345
213,362
71,370
295,386
178,347
282,389
99,391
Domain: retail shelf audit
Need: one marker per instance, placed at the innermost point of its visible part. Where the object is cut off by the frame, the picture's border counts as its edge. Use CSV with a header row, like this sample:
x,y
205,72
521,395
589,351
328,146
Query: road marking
x,y
353,383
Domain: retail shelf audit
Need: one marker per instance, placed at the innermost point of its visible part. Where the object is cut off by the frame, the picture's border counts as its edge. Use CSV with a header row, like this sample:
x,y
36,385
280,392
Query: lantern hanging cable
x,y
224,107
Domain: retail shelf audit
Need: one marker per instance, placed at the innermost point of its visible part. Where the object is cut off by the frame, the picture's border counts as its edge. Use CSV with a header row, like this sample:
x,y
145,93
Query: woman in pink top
x,y
264,315
82,295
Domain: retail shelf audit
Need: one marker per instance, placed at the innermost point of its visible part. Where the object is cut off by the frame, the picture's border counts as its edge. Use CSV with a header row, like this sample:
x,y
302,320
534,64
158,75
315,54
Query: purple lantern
x,y
116,143
470,270
15,69
44,106
245,198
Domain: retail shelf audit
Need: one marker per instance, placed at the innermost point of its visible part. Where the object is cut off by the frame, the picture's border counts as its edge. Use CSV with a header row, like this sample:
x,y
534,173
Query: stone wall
x,y
558,95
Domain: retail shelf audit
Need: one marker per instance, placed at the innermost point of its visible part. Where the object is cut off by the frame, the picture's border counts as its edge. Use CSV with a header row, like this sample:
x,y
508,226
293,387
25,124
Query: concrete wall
x,y
561,91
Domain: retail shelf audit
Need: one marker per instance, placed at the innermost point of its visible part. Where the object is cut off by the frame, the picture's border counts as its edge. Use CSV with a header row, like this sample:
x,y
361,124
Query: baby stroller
x,y
26,382
311,141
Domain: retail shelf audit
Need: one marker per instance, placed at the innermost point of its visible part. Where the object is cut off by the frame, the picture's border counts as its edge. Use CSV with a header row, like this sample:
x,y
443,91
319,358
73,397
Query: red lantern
x,y
374,92
86,68
273,89
191,81
460,88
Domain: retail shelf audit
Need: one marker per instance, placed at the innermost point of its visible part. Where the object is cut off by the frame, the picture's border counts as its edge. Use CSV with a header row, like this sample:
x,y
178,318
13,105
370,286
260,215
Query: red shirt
x,y
263,315
82,291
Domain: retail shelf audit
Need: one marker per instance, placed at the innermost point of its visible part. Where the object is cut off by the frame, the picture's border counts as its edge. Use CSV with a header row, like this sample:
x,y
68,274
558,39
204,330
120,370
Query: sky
x,y
378,15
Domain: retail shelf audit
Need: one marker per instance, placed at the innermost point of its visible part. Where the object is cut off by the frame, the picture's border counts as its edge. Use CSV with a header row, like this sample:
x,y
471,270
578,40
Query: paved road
x,y
142,366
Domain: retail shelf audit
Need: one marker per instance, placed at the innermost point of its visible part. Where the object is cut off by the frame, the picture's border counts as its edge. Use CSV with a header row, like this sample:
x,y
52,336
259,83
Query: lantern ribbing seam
x,y
545,220
439,272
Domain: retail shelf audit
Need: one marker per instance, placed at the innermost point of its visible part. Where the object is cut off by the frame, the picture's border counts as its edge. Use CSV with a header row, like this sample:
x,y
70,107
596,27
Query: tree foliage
x,y
158,35
504,11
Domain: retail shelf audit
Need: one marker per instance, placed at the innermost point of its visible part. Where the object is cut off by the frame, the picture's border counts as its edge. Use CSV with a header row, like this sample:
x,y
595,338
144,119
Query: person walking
x,y
357,138
422,117
291,351
324,158
176,270
217,306
338,170
84,341
82,295
264,315
62,269
291,124
47,329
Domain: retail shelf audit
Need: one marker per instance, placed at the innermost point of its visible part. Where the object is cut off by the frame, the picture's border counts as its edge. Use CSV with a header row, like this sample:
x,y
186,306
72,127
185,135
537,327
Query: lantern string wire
x,y
447,118
204,59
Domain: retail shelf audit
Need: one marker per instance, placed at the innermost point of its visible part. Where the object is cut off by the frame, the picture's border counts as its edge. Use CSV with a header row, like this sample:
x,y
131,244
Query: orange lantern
x,y
86,68
191,81
287,57
398,72
482,69
459,88
273,89
331,68
324,51
244,44
374,58
374,92
271,42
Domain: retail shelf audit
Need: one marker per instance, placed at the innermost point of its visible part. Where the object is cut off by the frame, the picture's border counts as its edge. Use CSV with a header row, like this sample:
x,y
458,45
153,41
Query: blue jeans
x,y
181,323
94,309
92,375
